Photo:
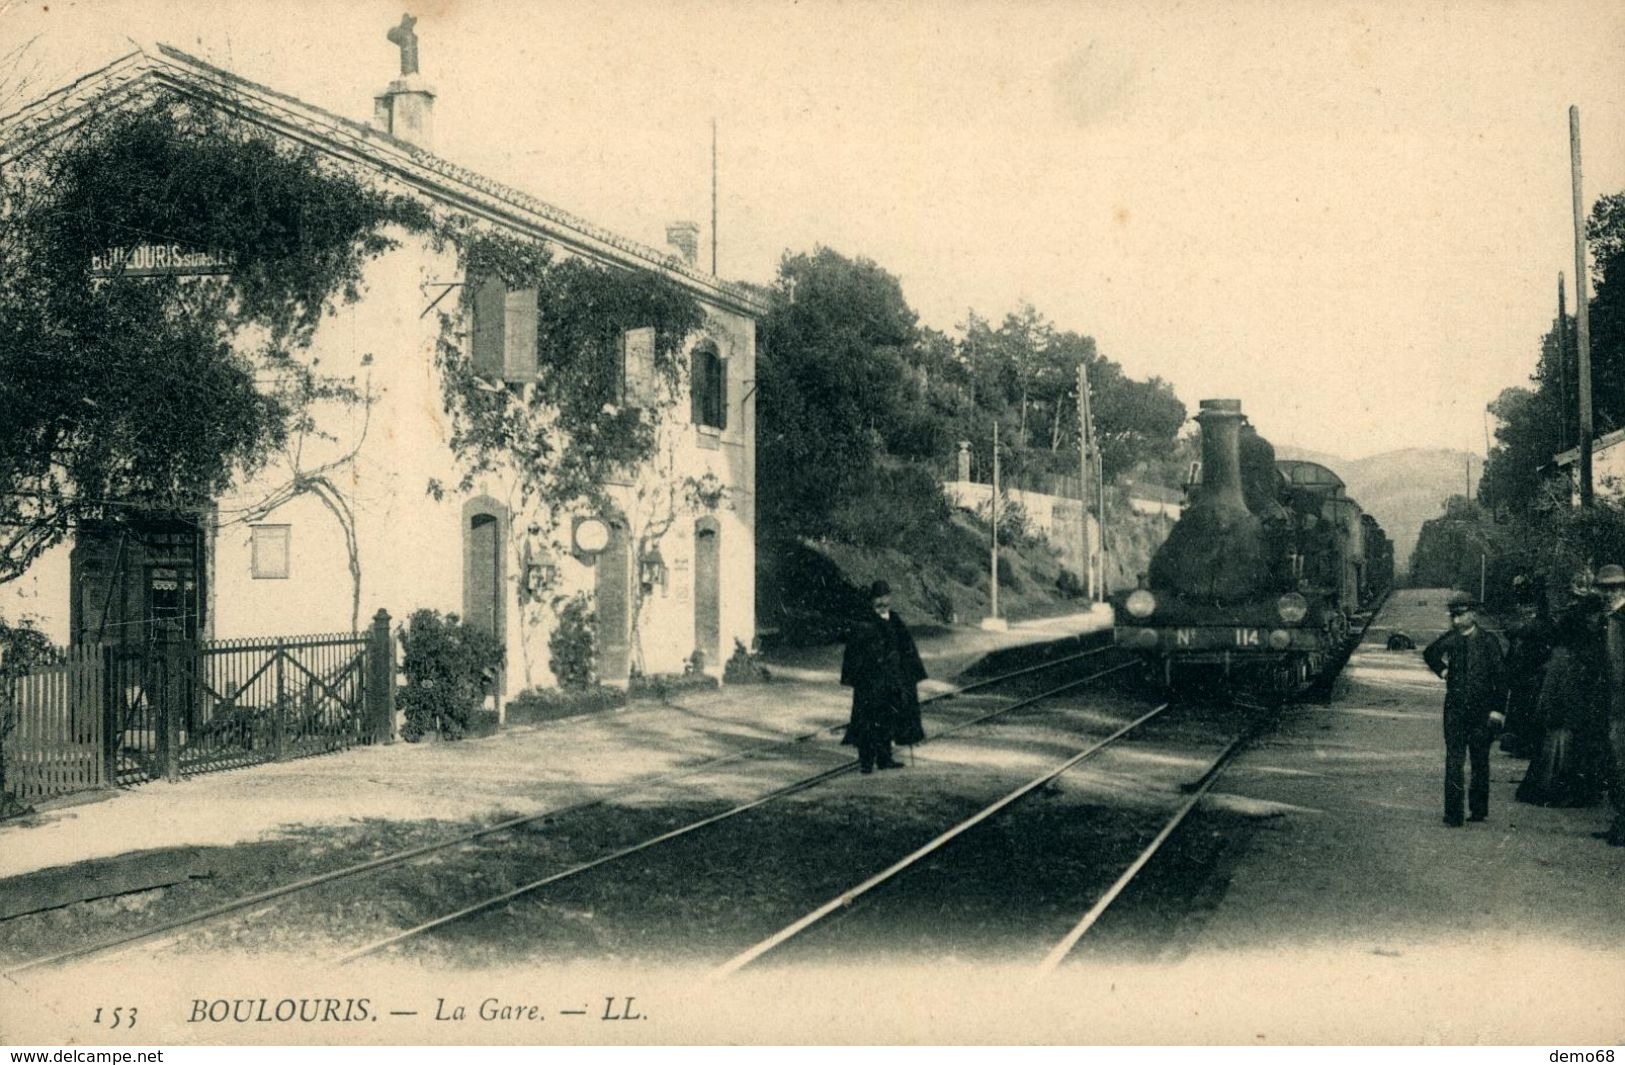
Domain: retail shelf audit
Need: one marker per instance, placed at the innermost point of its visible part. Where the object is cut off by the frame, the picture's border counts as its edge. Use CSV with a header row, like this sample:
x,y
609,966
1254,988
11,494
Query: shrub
x,y
900,505
665,685
573,647
449,666
1069,585
744,667
546,704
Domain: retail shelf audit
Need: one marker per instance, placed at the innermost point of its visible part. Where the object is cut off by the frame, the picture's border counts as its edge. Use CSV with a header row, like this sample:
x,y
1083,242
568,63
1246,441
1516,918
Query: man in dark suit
x,y
1470,660
882,666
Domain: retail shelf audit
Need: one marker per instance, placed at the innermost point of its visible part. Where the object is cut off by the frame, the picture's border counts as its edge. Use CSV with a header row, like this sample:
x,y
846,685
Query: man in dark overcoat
x,y
882,666
1611,583
1471,661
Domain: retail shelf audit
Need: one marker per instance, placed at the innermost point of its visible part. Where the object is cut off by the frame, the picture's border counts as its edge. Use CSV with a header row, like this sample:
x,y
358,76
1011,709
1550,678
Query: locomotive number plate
x,y
1249,637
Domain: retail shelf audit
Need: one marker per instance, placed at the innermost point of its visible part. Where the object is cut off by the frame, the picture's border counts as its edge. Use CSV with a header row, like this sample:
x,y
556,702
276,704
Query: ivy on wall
x,y
572,431
120,392
575,430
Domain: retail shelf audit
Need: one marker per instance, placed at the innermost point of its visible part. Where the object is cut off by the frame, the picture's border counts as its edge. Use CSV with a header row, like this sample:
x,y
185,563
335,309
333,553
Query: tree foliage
x,y
852,385
159,392
1533,424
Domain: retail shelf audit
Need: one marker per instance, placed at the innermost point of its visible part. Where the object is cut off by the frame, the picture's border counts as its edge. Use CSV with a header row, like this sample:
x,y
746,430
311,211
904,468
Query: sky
x,y
1351,217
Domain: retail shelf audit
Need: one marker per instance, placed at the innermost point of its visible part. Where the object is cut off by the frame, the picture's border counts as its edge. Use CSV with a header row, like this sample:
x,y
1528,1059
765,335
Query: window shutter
x,y
697,377
519,336
722,393
638,351
489,326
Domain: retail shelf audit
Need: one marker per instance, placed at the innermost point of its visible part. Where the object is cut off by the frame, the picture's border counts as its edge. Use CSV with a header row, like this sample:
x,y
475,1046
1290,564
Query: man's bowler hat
x,y
880,588
1610,575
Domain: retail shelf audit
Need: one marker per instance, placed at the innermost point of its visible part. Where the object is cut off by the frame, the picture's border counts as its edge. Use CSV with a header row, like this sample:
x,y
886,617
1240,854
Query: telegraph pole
x,y
993,621
1563,359
1084,429
1582,325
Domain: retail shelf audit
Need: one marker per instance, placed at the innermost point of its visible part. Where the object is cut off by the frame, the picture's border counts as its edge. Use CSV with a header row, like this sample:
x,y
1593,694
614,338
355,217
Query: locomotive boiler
x,y
1263,573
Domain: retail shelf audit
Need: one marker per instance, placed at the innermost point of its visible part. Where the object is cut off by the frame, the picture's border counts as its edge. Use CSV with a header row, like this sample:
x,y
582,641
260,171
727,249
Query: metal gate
x,y
178,707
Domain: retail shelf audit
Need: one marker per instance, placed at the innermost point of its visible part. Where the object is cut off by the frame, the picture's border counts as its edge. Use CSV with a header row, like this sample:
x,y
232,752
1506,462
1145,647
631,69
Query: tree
x,y
122,396
1605,232
833,375
1532,425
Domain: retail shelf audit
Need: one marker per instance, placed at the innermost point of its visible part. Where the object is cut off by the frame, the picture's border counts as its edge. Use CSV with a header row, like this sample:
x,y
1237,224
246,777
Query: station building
x,y
386,525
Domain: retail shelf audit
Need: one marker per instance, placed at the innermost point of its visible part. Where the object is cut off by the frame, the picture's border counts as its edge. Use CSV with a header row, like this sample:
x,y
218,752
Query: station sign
x,y
158,260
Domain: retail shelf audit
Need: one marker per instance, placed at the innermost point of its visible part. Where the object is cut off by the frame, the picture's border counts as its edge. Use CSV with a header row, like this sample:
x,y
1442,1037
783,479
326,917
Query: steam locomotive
x,y
1265,571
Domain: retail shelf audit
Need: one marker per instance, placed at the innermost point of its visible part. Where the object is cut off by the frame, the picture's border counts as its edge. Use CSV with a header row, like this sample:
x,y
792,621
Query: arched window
x,y
708,387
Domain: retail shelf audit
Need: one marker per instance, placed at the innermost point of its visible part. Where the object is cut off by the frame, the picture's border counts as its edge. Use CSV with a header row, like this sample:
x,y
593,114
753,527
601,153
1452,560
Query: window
x,y
504,332
270,550
708,387
641,385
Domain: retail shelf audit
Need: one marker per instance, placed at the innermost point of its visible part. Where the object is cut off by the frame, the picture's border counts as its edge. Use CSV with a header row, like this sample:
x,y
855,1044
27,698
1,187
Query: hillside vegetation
x,y
862,413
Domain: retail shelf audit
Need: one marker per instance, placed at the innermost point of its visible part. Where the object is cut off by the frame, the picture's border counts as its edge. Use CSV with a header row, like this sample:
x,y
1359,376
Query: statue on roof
x,y
406,39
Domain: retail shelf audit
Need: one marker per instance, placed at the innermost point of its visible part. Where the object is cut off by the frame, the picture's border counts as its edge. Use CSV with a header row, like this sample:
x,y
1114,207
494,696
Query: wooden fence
x,y
103,715
57,745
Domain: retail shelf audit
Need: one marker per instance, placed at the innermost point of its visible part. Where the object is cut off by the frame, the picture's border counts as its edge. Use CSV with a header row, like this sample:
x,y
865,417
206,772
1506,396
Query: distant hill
x,y
1401,489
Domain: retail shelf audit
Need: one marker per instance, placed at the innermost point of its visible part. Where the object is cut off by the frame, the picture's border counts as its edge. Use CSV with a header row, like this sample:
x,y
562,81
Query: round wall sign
x,y
592,535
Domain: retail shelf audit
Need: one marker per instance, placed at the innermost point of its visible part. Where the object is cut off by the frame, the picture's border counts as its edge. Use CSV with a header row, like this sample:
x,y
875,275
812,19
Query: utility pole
x,y
1582,325
1563,361
993,621
1098,476
1084,430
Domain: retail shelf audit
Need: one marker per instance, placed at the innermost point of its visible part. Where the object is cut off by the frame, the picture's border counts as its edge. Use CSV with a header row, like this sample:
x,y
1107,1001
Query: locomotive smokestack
x,y
1220,420
1217,551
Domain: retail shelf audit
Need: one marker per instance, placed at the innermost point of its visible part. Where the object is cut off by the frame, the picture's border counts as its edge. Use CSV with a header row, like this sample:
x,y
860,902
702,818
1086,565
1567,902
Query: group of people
x,y
1555,693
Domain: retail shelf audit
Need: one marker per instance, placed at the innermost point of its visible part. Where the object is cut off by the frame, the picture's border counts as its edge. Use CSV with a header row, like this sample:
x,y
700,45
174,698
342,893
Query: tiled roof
x,y
163,66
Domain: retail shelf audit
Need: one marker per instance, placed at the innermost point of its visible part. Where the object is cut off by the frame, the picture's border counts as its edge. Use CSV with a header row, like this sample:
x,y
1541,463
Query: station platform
x,y
521,770
1369,918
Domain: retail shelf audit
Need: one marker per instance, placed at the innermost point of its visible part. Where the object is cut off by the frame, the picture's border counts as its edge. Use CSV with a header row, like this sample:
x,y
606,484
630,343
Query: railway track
x,y
1097,646
496,901
848,926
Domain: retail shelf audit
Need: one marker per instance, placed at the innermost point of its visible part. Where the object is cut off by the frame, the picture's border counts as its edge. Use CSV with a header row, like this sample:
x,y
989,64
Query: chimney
x,y
685,237
405,110
1220,420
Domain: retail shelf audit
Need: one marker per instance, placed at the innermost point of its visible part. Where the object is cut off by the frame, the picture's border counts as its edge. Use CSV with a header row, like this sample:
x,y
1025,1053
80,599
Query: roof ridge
x,y
384,150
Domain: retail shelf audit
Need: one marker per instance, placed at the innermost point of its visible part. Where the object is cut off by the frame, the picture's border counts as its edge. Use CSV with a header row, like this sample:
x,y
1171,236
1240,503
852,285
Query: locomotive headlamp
x,y
1292,607
1280,640
1141,603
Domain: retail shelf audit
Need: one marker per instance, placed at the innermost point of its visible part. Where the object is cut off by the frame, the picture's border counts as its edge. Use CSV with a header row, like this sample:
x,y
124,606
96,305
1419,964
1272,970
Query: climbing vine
x,y
581,425
159,392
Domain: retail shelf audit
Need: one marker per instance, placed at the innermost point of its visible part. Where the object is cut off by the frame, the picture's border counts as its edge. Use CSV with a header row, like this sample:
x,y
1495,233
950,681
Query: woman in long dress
x,y
1569,764
1530,637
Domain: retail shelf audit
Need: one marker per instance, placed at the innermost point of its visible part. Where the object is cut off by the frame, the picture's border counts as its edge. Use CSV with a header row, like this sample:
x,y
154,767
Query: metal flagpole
x,y
713,197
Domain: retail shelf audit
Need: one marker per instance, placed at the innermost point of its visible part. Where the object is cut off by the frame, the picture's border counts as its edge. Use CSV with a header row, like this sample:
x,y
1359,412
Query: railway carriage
x,y
1263,574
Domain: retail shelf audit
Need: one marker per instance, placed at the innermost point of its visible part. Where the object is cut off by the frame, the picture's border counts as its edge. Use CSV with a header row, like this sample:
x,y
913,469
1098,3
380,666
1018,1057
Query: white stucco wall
x,y
411,545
